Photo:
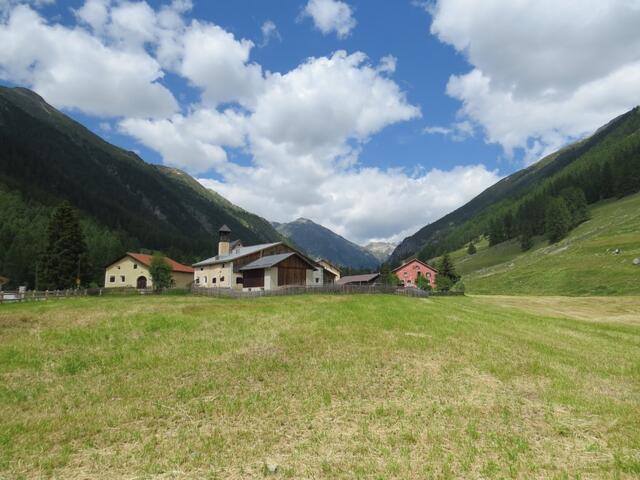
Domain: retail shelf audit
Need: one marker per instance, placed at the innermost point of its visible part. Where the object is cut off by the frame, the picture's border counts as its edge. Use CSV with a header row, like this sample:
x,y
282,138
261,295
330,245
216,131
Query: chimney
x,y
224,242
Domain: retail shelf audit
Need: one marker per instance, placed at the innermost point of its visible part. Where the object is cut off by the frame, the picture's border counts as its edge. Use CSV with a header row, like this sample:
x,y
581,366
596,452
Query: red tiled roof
x,y
412,261
175,266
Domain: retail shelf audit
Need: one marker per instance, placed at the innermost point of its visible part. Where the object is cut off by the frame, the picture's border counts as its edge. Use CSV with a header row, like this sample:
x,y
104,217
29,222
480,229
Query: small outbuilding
x,y
410,271
364,279
132,271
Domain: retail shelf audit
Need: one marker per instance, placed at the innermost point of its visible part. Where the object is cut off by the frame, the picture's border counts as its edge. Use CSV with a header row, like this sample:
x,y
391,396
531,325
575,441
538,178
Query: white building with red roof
x,y
132,271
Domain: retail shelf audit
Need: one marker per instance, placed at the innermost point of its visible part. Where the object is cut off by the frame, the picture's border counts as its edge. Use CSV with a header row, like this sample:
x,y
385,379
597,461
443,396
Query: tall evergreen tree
x,y
607,183
64,261
447,275
558,219
577,204
471,250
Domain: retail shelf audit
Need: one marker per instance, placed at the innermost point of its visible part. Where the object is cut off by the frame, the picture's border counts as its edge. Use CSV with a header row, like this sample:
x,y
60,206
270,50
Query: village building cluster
x,y
267,266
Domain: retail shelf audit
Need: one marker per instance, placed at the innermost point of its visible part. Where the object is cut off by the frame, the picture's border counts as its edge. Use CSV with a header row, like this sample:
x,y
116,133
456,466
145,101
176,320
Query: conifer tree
x,y
606,181
558,219
471,250
526,239
64,261
447,275
577,204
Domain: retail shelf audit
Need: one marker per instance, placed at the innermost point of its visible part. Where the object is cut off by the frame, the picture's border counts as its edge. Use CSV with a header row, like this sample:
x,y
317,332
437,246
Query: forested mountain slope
x,y
320,242
125,203
605,165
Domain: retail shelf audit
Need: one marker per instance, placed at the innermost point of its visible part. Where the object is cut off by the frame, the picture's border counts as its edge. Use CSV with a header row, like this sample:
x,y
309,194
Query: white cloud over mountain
x,y
303,129
543,72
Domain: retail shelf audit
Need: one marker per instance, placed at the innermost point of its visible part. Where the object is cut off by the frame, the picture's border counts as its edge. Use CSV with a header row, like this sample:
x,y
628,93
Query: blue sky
x,y
370,117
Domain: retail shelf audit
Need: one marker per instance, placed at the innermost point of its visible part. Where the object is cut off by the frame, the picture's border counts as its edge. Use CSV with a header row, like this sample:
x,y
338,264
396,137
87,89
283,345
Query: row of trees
x,y
550,215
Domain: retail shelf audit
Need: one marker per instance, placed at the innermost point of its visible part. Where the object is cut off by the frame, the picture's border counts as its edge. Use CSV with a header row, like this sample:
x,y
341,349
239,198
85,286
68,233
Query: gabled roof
x,y
320,261
367,277
224,229
412,261
272,260
145,259
241,252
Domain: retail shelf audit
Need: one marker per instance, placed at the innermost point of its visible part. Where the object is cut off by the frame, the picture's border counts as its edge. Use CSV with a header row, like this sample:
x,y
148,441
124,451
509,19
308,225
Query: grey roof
x,y
241,252
358,278
224,229
268,261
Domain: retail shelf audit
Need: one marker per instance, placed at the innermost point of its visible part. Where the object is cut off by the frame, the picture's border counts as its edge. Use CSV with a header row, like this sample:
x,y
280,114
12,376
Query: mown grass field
x,y
581,264
322,387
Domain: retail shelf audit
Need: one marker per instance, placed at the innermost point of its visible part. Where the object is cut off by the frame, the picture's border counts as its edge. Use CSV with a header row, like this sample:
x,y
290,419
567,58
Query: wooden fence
x,y
40,295
332,289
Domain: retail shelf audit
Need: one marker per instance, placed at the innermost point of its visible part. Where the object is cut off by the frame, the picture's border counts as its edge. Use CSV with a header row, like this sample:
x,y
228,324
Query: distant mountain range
x,y
381,250
125,203
320,242
612,151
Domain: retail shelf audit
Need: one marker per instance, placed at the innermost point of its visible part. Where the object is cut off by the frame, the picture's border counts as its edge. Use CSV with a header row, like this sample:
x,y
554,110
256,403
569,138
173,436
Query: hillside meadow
x,y
363,386
582,264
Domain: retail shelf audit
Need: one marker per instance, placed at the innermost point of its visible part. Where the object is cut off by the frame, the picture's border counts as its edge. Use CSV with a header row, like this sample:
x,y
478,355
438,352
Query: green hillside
x,y
584,263
125,203
603,166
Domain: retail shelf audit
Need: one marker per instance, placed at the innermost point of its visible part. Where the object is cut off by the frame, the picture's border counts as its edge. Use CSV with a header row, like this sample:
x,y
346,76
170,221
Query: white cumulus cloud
x,y
543,72
331,16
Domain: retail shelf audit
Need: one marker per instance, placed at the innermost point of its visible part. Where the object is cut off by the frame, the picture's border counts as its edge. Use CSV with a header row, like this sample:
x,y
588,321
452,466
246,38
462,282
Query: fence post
x,y
1,297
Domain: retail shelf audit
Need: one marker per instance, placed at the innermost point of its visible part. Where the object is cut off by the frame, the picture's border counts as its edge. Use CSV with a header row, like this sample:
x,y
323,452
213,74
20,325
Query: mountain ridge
x,y
320,242
135,204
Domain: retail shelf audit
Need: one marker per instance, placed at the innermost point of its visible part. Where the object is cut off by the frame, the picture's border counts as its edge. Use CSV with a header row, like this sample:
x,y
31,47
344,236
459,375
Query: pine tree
x,y
526,239
64,262
577,204
447,275
160,272
558,219
496,232
472,249
607,183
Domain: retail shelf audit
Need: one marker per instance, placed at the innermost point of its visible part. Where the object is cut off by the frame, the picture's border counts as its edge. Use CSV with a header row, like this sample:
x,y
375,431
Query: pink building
x,y
409,272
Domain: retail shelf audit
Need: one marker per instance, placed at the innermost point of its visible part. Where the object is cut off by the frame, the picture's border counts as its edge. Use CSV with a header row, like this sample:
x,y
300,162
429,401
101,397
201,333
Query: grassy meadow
x,y
321,387
582,264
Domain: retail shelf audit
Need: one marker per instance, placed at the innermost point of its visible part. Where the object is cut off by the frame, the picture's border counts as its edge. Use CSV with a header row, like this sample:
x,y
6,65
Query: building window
x,y
122,278
238,280
205,280
428,275
135,266
198,281
317,280
112,279
213,280
223,265
406,274
201,269
221,279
